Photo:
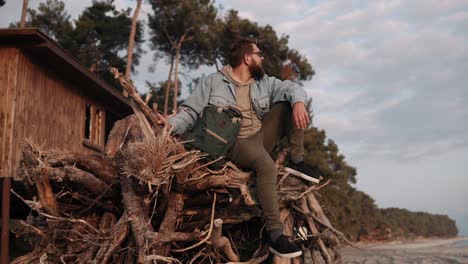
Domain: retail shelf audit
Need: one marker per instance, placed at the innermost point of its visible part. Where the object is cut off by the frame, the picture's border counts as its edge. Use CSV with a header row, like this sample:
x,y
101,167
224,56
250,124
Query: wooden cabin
x,y
48,96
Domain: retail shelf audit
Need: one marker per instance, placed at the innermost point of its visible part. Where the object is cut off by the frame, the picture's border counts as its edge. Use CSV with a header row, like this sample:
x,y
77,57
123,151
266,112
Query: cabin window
x,y
95,120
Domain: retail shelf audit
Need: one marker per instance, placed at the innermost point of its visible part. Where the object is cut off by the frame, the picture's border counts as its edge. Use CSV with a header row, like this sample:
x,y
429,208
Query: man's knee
x,y
281,108
265,168
276,124
279,114
271,169
284,106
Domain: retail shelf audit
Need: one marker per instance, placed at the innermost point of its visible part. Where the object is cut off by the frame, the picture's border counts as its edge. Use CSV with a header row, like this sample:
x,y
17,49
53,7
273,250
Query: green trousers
x,y
253,153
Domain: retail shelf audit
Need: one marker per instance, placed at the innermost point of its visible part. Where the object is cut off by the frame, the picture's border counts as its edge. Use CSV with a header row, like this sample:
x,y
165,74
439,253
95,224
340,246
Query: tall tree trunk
x,y
131,43
216,61
168,88
176,78
23,13
176,70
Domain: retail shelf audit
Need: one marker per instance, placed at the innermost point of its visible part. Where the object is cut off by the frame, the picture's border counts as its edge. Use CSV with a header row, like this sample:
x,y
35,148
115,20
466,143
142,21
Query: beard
x,y
257,71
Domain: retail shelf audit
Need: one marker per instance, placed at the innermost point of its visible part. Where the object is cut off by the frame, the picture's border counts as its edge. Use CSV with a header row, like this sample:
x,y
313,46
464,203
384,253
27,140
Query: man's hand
x,y
300,116
161,119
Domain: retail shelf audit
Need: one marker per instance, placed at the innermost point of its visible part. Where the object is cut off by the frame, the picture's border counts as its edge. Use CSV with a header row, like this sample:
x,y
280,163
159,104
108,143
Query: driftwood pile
x,y
149,200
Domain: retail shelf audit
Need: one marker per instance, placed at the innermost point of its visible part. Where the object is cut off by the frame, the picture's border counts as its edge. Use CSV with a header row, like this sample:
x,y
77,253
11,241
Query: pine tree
x,y
101,35
179,29
97,38
279,60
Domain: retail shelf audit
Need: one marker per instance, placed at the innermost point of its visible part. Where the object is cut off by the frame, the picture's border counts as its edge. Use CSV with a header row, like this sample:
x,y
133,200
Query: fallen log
x,y
96,165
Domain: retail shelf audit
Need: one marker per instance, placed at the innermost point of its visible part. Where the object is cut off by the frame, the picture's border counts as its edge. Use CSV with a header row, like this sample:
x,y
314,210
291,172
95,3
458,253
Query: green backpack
x,y
215,132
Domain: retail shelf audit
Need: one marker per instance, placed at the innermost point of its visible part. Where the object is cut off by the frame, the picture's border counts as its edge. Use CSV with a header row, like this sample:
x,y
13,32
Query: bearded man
x,y
271,109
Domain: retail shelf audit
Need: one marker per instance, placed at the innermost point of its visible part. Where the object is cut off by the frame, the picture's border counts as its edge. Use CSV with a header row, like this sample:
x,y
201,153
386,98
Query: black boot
x,y
284,248
304,171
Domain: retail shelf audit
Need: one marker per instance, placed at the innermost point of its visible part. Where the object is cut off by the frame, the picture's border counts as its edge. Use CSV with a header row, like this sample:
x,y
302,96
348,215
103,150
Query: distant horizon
x,y
389,89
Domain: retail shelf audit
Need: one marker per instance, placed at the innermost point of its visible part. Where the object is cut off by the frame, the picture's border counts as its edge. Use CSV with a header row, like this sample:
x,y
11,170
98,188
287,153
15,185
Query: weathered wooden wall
x,y
8,80
47,108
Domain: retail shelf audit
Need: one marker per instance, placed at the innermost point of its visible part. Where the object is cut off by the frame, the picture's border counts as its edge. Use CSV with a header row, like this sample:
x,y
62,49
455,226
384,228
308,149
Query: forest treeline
x,y
193,33
355,212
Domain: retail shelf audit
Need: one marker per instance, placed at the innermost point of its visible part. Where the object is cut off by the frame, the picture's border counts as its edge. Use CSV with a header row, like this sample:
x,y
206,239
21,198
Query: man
x,y
271,109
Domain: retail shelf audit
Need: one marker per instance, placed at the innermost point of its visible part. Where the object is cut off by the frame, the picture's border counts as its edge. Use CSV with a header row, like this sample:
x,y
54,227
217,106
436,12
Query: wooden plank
x,y
4,233
9,71
3,109
19,117
102,132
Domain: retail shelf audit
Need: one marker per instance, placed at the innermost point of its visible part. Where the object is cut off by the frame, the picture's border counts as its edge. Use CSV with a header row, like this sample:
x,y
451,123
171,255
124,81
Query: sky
x,y
391,88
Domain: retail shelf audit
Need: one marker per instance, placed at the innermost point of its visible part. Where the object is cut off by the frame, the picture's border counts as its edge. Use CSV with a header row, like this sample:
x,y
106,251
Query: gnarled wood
x,y
44,191
128,86
95,164
119,135
314,230
169,223
315,207
139,222
107,221
120,234
120,231
231,179
142,230
86,179
221,242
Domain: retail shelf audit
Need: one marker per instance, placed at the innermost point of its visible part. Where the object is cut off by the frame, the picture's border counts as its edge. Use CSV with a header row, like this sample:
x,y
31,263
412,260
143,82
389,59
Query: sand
x,y
422,251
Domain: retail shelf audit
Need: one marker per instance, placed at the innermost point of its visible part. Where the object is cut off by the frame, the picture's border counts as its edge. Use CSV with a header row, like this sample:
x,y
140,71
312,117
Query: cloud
x,y
405,64
330,100
265,10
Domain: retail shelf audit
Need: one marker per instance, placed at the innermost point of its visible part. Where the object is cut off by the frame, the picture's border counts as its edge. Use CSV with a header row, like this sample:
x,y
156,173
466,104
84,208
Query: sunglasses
x,y
259,53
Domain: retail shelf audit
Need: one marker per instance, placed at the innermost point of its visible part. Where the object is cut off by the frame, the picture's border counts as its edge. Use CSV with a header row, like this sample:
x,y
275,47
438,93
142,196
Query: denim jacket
x,y
217,89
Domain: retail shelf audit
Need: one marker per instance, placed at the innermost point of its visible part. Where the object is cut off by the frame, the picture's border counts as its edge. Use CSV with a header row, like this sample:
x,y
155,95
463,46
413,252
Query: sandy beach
x,y
453,250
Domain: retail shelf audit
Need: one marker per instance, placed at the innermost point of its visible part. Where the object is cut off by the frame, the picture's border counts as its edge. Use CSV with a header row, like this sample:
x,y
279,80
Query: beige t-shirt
x,y
250,123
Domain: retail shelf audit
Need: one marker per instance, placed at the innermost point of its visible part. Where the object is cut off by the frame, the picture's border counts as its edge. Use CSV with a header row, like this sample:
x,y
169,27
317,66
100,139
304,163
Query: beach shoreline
x,y
422,250
423,242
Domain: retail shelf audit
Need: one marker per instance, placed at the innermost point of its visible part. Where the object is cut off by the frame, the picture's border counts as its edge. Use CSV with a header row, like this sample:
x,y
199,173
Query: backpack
x,y
215,132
